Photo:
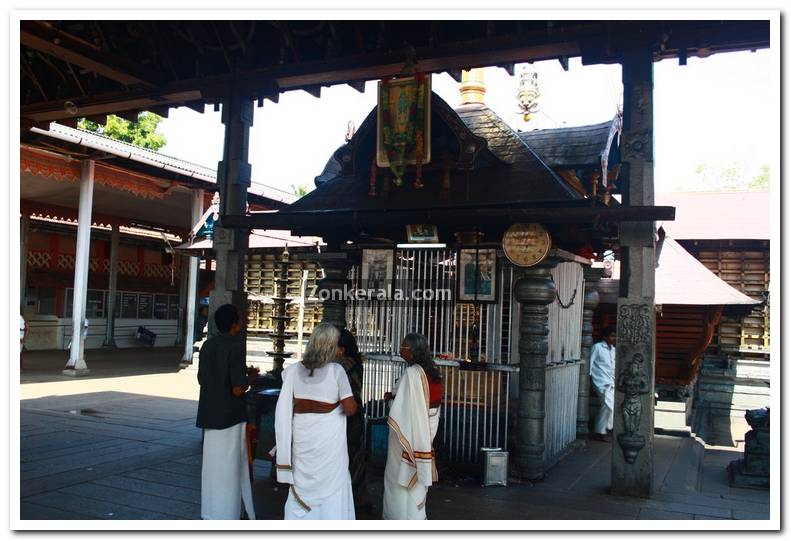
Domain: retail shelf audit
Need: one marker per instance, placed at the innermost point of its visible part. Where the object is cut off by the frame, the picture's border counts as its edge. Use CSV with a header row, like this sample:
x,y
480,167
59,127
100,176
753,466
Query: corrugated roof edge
x,y
150,157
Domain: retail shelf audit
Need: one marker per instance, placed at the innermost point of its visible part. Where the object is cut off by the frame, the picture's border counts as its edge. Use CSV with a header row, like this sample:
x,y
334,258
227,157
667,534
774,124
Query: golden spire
x,y
472,87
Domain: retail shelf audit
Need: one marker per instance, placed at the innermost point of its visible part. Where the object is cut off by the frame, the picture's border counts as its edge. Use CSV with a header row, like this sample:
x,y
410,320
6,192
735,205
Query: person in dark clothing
x,y
224,379
351,361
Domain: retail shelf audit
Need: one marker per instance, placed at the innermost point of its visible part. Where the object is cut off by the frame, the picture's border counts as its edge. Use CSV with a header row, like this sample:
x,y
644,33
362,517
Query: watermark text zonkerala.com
x,y
387,293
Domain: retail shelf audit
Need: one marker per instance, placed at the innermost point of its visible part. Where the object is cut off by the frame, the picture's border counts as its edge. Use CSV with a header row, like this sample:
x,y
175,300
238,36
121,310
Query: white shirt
x,y
328,384
602,368
21,327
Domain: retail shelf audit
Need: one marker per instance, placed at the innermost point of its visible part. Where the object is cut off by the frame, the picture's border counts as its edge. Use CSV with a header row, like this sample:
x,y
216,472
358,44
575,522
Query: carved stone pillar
x,y
534,290
233,179
333,287
589,304
633,456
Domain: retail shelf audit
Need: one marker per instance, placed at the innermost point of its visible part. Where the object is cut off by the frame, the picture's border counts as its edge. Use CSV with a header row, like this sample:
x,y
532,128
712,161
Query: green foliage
x,y
142,133
730,177
761,181
299,190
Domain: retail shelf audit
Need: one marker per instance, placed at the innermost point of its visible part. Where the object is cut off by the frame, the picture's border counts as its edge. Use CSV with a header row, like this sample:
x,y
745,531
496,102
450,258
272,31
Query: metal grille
x,y
476,332
474,410
560,405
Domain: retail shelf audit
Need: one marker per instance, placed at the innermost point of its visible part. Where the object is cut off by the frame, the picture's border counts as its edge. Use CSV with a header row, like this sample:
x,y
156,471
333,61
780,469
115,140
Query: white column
x,y
76,365
109,337
192,282
24,227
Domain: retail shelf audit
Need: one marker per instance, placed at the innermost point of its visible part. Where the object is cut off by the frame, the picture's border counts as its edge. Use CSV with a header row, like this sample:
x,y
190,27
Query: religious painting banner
x,y
403,127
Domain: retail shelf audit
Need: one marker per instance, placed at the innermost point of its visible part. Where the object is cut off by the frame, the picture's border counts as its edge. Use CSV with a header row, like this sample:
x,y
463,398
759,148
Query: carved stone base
x,y
740,477
631,445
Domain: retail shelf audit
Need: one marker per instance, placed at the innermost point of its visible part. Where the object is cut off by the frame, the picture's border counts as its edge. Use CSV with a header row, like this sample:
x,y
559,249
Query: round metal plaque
x,y
526,245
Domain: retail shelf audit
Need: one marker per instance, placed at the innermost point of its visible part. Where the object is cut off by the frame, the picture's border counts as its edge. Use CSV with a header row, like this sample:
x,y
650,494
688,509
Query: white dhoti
x,y
411,466
312,457
225,476
604,416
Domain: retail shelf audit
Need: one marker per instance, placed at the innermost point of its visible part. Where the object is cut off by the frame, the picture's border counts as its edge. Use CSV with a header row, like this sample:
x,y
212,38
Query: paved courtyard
x,y
116,445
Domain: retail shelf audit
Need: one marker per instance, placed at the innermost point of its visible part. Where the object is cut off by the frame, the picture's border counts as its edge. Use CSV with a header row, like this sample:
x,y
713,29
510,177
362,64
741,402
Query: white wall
x,y
50,332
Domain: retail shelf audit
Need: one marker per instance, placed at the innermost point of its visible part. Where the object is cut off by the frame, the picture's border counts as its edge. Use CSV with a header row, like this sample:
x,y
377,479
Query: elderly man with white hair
x,y
310,432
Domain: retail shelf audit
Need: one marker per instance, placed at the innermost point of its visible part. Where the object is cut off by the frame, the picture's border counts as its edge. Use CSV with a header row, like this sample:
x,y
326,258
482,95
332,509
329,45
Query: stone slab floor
x,y
116,445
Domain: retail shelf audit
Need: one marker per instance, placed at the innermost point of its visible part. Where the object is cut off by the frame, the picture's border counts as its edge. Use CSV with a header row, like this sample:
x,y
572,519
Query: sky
x,y
720,111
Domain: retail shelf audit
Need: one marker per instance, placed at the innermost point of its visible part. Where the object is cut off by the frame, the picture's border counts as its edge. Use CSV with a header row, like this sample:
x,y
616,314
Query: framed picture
x,y
377,268
403,120
422,233
477,275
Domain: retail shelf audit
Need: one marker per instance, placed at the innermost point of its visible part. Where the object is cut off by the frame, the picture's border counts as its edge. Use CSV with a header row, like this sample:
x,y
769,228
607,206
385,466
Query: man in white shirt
x,y
602,372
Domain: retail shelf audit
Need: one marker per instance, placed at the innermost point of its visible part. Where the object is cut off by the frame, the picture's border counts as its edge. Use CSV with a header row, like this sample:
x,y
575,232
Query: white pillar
x,y
76,365
24,227
109,337
192,283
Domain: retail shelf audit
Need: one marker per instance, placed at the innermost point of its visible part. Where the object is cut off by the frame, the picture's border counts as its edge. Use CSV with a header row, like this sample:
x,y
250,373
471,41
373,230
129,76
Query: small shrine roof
x,y
572,146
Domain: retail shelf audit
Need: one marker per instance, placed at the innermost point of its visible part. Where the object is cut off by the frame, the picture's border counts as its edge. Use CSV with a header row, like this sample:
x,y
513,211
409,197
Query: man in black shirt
x,y
224,379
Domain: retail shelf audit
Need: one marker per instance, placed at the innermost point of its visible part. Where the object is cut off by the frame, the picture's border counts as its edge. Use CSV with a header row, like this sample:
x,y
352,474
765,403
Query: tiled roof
x,y
570,147
153,158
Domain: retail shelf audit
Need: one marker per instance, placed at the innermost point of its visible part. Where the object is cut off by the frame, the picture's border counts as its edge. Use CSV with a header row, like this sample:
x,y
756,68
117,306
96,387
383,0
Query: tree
x,y
299,190
142,133
727,177
761,181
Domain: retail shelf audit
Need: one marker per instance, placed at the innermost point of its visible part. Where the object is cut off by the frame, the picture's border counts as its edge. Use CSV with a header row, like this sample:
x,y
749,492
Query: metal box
x,y
495,466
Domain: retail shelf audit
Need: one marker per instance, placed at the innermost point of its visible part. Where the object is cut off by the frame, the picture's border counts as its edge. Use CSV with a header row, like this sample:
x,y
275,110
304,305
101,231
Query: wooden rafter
x,y
43,37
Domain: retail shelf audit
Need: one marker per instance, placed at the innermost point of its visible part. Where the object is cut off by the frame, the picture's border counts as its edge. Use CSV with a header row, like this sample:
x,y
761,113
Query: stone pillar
x,y
233,179
109,337
589,304
332,287
534,290
191,300
633,454
24,228
76,364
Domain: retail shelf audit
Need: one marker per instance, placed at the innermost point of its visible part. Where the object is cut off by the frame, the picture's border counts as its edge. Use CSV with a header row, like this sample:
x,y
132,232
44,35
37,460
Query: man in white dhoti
x,y
310,432
602,372
223,378
413,422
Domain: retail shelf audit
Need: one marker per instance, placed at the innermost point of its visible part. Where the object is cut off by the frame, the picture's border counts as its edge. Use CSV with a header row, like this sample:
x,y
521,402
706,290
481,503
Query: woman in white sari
x,y
413,421
310,431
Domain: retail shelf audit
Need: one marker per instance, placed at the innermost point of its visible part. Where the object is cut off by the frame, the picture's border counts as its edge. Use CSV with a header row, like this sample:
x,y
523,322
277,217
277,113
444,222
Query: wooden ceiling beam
x,y
42,37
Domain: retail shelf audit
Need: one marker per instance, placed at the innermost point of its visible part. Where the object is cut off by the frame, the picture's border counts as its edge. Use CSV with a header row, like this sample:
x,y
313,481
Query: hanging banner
x,y
403,127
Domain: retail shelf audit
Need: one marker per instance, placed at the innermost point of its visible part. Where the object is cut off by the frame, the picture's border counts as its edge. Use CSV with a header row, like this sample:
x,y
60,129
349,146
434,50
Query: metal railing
x,y
560,406
474,411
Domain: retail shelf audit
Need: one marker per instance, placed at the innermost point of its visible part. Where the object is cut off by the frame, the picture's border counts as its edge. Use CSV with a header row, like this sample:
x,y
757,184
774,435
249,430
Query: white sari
x,y
311,451
411,467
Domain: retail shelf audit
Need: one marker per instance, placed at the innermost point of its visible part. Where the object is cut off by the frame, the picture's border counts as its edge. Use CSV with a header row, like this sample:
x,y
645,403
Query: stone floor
x,y
121,446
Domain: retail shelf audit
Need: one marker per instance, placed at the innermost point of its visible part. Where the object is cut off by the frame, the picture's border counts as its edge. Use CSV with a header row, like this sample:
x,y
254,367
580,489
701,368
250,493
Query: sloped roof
x,y
681,279
152,158
718,215
573,146
520,174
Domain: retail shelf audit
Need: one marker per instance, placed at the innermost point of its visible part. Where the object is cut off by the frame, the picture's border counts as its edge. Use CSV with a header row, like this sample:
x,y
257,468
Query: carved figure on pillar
x,y
632,382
